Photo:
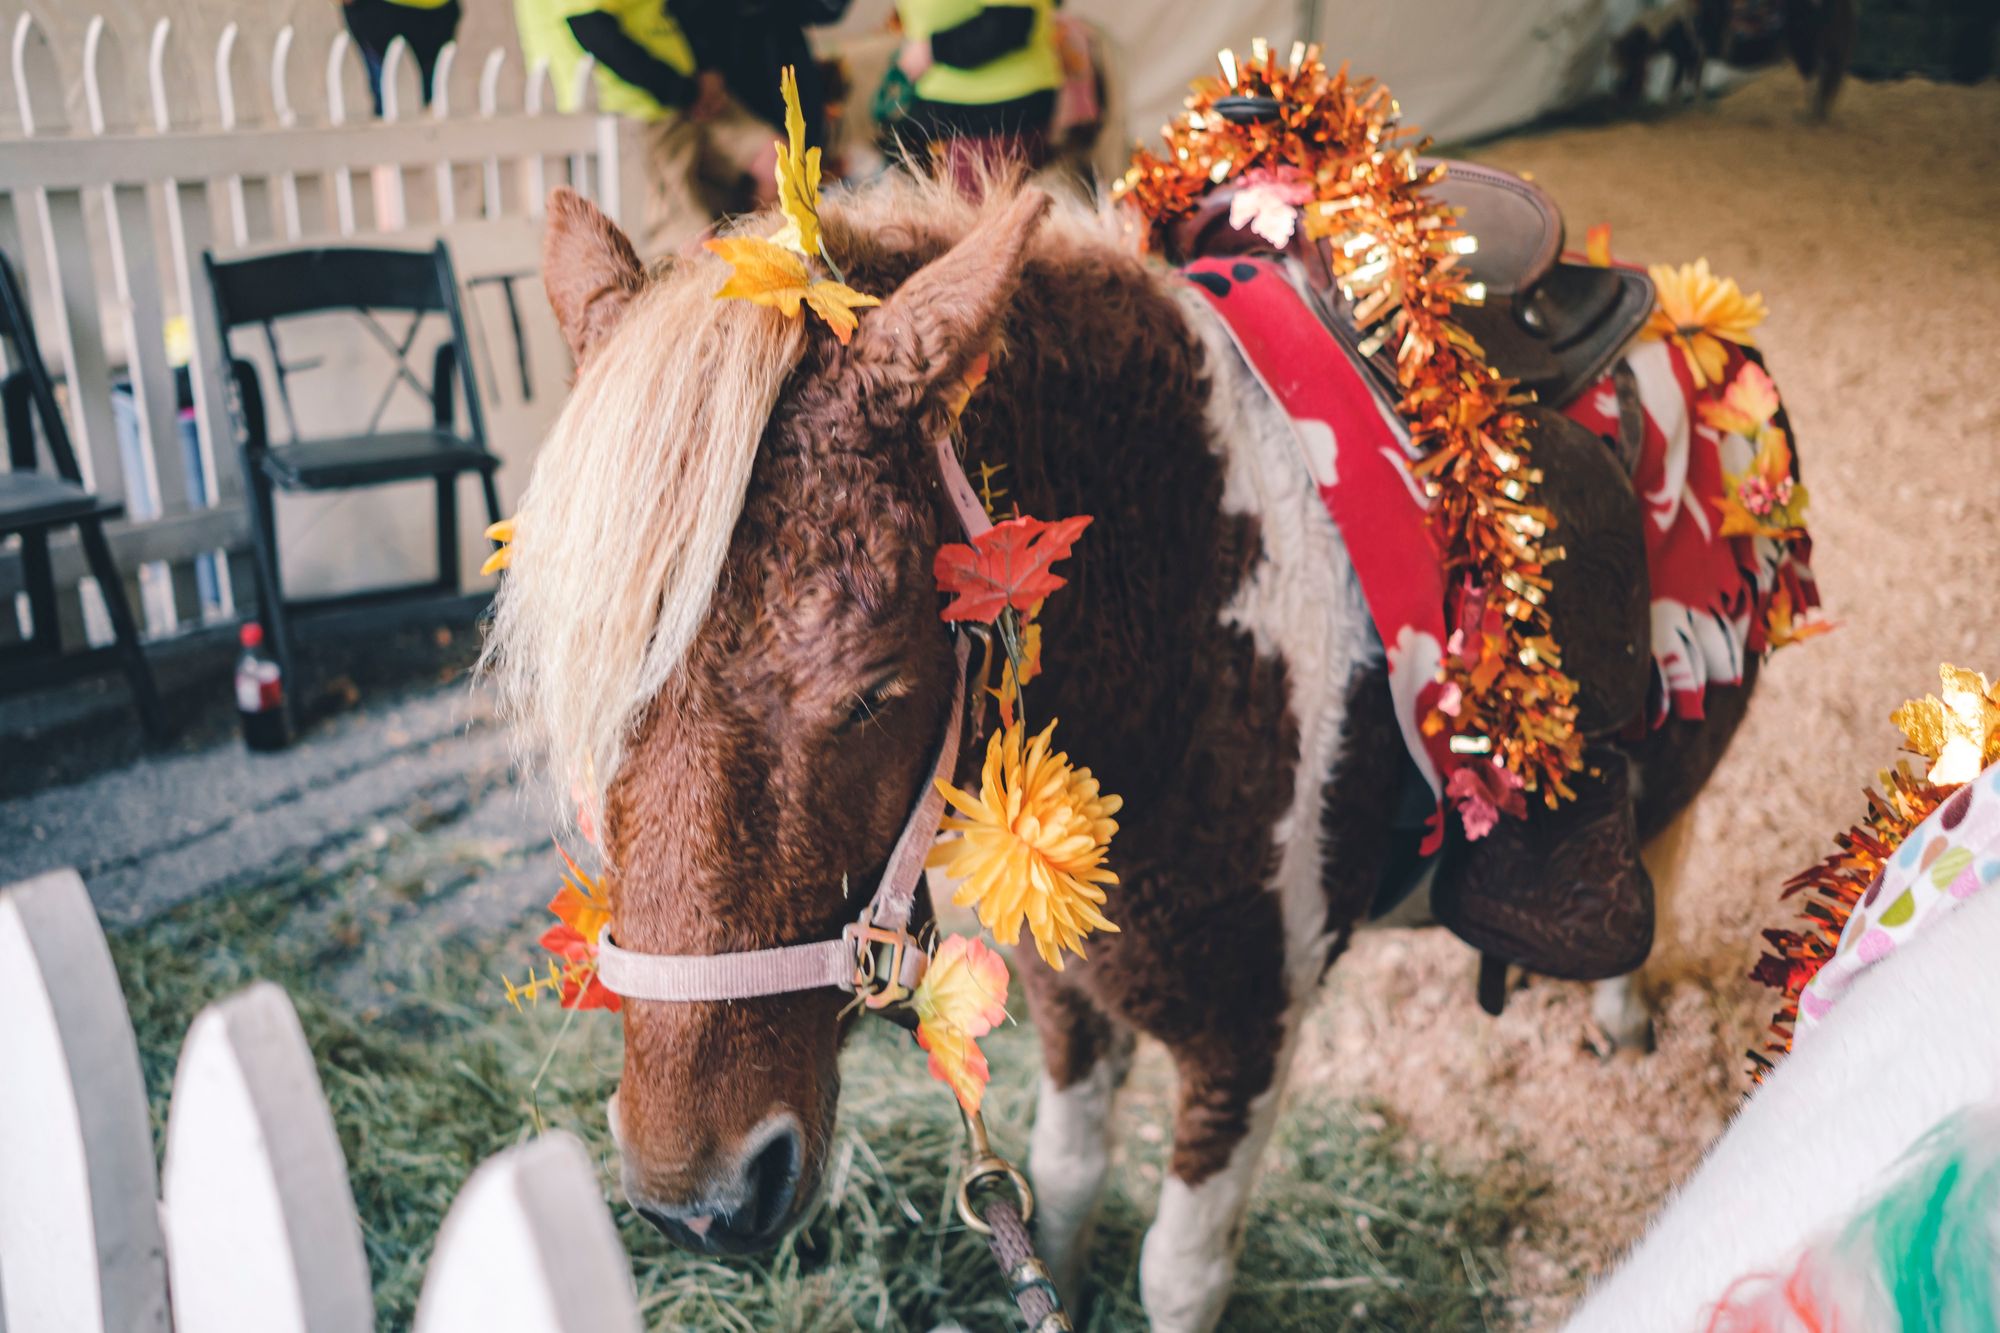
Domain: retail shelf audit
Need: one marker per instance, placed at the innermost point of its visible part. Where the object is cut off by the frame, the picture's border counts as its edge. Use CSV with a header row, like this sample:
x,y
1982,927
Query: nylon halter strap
x,y
875,957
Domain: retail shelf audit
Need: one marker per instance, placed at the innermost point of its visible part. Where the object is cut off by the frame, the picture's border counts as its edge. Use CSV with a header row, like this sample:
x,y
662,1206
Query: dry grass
x,y
428,1072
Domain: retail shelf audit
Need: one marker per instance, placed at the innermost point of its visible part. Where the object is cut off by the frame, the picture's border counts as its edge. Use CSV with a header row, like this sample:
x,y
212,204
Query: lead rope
x,y
1004,1223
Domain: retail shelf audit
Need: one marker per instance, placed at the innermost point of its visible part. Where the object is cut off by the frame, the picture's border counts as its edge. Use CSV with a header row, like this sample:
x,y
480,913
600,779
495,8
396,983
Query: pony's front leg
x,y
1228,1104
1085,1057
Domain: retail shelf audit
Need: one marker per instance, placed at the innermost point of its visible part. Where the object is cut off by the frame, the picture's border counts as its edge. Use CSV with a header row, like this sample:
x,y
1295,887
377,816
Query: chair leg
x,y
270,587
39,575
447,533
138,671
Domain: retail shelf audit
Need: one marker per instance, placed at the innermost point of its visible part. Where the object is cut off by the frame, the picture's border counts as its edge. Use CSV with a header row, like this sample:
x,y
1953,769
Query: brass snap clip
x,y
983,1165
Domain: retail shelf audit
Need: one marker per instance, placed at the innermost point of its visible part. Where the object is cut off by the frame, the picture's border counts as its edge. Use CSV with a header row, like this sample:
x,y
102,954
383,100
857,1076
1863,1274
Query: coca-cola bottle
x,y
260,693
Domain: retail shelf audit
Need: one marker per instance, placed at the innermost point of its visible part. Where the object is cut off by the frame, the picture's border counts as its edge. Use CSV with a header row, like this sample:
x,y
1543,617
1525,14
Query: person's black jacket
x,y
750,41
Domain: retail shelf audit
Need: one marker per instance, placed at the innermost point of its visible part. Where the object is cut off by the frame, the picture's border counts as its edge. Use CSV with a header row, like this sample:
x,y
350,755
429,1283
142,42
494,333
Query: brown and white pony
x,y
721,625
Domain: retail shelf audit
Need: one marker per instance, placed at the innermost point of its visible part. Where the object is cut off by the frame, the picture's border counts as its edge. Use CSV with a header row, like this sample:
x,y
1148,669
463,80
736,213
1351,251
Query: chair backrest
x,y
263,289
28,382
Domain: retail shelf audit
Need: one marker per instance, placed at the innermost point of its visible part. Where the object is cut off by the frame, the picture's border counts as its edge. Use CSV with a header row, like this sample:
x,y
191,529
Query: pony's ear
x,y
589,268
945,313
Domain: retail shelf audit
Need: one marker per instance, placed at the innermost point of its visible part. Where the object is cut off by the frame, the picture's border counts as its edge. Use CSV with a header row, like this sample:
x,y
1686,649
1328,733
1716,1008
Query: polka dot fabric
x,y
1945,860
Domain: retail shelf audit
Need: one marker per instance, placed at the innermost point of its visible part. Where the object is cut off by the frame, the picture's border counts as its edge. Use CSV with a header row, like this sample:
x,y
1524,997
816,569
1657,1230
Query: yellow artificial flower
x,y
962,996
1032,845
798,178
502,532
771,275
1697,311
1960,732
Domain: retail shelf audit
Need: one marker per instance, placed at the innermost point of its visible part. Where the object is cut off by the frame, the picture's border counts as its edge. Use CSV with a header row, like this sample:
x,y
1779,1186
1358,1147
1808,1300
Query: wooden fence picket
x,y
258,1229
261,1227
529,1247
81,1249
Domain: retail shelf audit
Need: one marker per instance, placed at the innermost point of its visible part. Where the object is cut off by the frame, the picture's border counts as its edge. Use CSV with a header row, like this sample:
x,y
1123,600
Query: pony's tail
x,y
1922,1257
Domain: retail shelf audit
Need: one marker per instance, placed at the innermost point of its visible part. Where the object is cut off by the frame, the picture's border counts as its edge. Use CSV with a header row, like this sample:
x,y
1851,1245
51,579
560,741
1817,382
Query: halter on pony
x,y
852,962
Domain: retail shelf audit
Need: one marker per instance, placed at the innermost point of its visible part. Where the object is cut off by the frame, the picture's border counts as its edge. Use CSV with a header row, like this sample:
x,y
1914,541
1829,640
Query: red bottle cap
x,y
251,635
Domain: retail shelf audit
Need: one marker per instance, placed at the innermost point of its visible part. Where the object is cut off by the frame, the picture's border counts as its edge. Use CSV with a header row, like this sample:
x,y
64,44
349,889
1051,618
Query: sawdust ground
x,y
1875,242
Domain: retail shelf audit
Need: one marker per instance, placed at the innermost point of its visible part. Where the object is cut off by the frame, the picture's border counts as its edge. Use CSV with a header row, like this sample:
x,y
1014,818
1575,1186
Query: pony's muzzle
x,y
747,1209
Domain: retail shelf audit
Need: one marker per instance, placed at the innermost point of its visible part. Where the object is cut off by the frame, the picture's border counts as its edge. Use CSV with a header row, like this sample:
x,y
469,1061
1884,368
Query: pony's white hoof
x,y
1619,1008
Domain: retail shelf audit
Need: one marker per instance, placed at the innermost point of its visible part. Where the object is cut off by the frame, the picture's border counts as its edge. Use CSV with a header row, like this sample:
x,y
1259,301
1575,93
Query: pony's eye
x,y
869,703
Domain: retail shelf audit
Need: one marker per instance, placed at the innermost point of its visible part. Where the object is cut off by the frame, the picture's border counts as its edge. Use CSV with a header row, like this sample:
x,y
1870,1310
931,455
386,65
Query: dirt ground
x,y
1875,242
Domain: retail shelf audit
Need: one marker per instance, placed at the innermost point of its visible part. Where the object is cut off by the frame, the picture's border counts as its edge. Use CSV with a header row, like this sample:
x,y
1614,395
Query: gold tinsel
x,y
1396,254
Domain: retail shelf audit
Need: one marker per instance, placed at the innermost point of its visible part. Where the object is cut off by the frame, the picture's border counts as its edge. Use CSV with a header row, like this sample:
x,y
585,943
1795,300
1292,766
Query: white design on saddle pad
x,y
1945,860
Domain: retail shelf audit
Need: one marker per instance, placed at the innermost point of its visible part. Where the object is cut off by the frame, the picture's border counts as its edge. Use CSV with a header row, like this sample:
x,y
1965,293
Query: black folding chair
x,y
34,504
263,290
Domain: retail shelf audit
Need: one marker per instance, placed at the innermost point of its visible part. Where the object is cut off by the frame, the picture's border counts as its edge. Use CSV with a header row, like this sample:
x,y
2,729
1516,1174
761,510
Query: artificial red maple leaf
x,y
580,988
1007,565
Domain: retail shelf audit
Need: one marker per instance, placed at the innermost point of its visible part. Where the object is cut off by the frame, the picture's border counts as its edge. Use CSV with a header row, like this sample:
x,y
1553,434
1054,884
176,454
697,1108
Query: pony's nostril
x,y
772,1175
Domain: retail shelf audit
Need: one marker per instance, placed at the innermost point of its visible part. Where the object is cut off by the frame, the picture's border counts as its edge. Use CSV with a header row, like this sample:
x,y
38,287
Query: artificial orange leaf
x,y
1746,406
1597,245
836,302
1960,731
581,903
968,384
762,272
1007,565
771,275
962,996
1782,627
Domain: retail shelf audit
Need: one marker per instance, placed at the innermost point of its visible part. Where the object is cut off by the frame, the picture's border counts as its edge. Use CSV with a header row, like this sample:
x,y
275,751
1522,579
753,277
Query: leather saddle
x,y
1562,892
1554,326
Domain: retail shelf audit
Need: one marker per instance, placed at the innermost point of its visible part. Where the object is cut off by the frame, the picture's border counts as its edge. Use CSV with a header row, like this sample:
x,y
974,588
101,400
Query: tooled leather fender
x,y
1600,596
1563,893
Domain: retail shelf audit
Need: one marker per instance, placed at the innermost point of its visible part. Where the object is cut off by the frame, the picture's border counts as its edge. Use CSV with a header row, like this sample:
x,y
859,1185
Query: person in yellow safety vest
x,y
986,77
702,148
425,24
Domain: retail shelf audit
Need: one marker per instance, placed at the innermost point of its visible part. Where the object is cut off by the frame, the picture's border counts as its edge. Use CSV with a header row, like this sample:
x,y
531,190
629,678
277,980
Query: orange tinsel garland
x,y
1835,885
1396,254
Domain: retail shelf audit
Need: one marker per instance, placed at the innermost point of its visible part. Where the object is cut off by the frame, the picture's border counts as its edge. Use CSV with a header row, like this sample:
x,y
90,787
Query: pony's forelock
x,y
621,534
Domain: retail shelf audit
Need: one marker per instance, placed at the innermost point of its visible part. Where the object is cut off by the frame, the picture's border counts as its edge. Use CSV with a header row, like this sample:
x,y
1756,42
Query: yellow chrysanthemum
x,y
1032,845
1697,311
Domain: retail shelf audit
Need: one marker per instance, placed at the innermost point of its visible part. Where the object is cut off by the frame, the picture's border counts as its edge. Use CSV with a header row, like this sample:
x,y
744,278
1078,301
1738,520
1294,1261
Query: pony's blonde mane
x,y
621,535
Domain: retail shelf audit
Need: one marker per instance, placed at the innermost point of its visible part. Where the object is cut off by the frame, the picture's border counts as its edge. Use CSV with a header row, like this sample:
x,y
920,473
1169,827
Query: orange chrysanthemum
x,y
1697,312
962,996
1031,846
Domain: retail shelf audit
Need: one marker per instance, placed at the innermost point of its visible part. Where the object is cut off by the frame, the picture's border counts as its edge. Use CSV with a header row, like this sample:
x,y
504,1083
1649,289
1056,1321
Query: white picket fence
x,y
249,1224
128,148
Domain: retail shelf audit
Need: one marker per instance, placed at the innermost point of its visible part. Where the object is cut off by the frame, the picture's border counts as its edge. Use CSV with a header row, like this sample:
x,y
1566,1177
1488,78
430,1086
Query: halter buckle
x,y
879,987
